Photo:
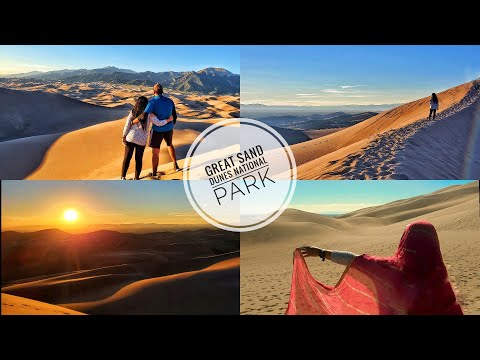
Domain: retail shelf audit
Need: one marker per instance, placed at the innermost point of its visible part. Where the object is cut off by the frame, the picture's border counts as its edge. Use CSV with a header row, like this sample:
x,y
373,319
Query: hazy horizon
x,y
339,197
15,59
44,203
107,205
121,228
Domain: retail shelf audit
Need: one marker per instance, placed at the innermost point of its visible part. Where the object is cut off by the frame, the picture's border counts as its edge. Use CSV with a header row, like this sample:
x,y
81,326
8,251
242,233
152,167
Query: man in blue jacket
x,y
162,107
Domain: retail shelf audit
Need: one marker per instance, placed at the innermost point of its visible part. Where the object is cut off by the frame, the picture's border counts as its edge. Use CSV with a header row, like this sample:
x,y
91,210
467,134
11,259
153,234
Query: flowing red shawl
x,y
414,281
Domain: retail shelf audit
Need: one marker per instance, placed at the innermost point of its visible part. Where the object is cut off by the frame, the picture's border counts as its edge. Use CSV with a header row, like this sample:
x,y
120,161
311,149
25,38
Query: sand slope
x,y
449,149
15,305
360,151
30,113
20,157
96,152
72,136
267,253
173,294
108,272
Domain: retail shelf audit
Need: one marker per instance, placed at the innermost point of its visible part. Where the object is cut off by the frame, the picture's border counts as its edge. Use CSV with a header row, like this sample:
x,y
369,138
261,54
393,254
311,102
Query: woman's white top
x,y
433,105
134,132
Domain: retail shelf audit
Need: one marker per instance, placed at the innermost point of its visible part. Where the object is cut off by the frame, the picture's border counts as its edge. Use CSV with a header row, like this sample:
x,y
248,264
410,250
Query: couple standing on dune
x,y
149,122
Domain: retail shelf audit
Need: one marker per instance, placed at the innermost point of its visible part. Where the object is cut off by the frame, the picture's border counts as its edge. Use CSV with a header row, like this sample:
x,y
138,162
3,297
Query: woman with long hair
x,y
413,281
136,134
433,106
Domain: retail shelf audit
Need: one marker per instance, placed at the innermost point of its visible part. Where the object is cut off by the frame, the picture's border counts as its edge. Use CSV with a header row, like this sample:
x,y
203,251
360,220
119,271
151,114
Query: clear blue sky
x,y
362,75
16,59
343,196
97,202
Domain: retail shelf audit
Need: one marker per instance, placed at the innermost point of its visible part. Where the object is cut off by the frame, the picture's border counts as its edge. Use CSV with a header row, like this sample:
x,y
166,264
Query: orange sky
x,y
43,203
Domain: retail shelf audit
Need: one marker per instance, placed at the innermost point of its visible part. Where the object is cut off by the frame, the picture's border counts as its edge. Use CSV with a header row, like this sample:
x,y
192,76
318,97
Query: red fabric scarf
x,y
414,281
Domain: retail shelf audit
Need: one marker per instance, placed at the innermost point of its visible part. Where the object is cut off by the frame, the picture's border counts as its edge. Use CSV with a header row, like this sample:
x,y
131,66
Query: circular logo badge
x,y
239,174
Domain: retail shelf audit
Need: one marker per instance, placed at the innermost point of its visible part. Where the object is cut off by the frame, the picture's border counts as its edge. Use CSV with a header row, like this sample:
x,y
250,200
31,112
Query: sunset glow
x,y
80,206
70,215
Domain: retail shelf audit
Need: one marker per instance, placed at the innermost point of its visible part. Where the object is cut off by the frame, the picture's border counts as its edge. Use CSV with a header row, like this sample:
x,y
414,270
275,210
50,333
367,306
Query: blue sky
x,y
361,75
97,202
16,59
343,196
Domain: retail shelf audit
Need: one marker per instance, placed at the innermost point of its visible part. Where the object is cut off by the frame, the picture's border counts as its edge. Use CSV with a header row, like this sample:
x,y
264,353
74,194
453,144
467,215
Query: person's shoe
x,y
122,178
177,169
153,175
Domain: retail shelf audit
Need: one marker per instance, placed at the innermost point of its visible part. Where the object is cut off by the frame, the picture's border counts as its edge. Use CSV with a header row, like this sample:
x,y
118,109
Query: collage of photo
x,y
284,180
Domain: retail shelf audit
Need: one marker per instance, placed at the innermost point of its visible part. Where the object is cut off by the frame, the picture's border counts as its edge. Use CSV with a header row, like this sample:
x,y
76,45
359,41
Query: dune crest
x,y
371,149
109,272
166,294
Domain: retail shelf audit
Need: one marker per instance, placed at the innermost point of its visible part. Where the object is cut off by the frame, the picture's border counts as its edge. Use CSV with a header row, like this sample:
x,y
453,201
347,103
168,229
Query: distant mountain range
x,y
332,120
257,110
206,81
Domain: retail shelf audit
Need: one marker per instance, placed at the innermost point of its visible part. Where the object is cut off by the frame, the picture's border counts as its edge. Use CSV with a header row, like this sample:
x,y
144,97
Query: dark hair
x,y
139,108
434,98
158,89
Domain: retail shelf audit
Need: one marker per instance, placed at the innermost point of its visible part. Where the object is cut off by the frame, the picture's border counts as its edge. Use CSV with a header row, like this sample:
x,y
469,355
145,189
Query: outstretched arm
x,y
338,257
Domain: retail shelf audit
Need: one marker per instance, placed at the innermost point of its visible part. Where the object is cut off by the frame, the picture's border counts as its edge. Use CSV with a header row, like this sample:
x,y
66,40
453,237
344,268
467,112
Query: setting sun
x,y
70,215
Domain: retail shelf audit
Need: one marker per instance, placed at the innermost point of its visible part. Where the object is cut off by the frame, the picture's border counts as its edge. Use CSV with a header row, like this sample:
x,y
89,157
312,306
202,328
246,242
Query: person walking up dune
x,y
433,106
136,134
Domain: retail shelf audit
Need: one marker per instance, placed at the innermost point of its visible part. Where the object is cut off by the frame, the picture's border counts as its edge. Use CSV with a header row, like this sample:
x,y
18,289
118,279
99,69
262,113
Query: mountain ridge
x,y
210,80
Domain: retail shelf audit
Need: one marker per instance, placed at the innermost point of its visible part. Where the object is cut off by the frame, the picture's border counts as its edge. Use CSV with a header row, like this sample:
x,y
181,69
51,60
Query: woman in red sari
x,y
413,281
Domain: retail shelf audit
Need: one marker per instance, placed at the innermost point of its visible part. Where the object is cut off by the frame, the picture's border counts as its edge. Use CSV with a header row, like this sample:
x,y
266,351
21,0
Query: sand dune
x,y
112,95
267,252
172,294
15,305
96,152
56,137
368,150
21,157
27,113
107,272
118,290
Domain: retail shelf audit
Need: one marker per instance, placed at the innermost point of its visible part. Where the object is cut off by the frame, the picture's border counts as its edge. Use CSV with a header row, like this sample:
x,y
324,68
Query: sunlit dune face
x,y
70,215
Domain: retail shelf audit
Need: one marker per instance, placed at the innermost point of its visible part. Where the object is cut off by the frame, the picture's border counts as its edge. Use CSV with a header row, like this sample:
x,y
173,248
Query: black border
x,y
241,23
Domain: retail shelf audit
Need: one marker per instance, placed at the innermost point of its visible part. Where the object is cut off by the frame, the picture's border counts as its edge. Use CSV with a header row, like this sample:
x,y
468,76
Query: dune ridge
x,y
368,150
170,294
109,272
